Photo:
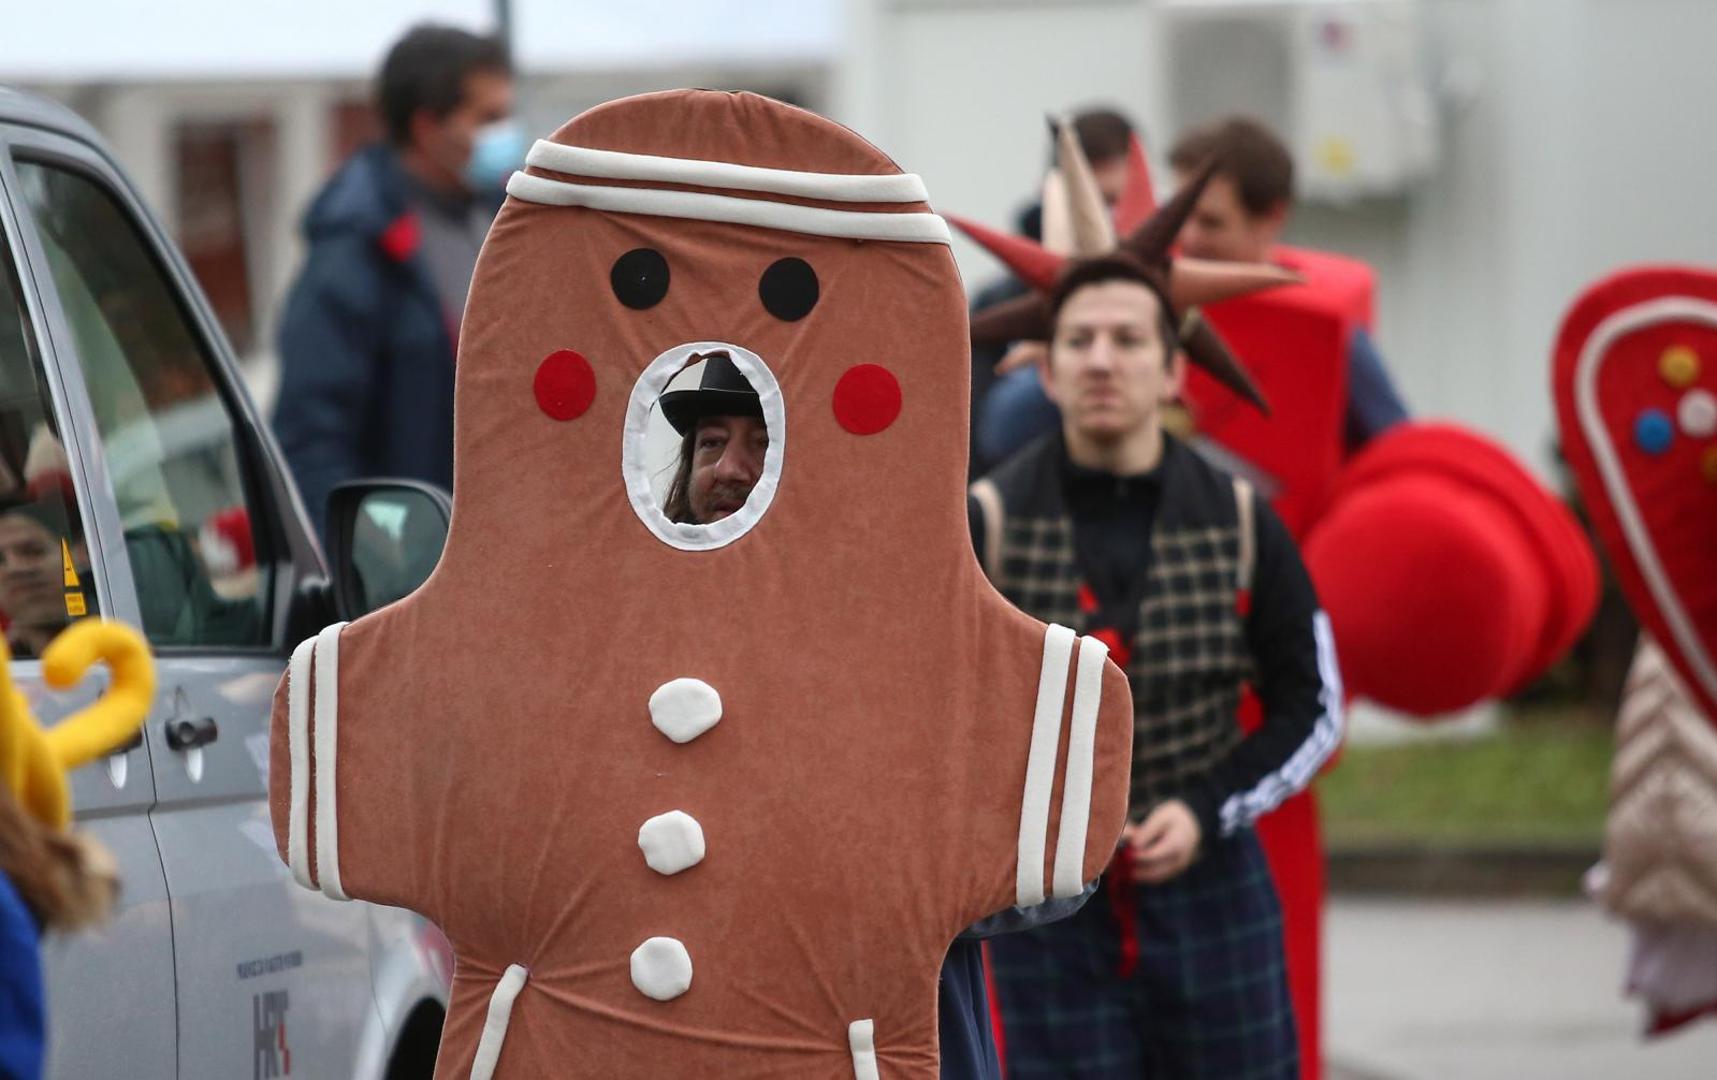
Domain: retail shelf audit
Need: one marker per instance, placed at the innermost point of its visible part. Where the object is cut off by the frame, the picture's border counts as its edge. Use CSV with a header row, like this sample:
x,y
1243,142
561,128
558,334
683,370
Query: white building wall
x,y
1573,141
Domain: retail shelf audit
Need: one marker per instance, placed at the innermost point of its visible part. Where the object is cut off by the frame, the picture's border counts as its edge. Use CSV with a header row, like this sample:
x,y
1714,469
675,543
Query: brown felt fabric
x,y
860,796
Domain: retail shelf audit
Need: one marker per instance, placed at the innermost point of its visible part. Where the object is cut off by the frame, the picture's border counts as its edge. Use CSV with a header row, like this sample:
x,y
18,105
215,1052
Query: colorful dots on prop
x,y
672,842
1654,512
684,709
867,399
1697,414
565,385
788,289
662,968
1653,432
1679,366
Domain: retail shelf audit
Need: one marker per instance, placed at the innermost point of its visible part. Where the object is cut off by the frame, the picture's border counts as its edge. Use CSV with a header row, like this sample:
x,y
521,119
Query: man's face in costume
x,y
1222,228
1108,369
727,458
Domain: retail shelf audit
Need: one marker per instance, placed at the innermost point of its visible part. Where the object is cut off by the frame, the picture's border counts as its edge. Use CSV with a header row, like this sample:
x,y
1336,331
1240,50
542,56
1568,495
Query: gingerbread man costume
x,y
704,800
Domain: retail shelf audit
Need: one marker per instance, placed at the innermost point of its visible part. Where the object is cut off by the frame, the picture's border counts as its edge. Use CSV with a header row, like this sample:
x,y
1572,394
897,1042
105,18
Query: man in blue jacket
x,y
368,335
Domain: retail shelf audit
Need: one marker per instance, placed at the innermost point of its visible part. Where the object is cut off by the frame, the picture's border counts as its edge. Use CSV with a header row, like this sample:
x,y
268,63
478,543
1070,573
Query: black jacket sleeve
x,y
1297,683
329,351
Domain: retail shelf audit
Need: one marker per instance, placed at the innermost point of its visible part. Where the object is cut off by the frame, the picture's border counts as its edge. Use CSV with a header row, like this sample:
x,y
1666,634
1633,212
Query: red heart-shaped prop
x,y
1636,398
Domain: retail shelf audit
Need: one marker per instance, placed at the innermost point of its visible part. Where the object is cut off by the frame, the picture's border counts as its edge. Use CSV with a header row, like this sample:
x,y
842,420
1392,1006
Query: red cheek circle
x,y
867,399
565,385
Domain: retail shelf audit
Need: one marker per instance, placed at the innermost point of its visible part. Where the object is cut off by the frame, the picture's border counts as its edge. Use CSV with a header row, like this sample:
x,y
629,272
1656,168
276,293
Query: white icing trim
x,y
298,758
1040,764
861,1039
495,1025
1244,807
913,228
1591,420
327,736
636,471
617,165
1081,770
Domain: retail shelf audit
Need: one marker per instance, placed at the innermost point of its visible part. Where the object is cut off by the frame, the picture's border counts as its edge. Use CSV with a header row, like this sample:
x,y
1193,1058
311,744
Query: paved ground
x,y
1424,990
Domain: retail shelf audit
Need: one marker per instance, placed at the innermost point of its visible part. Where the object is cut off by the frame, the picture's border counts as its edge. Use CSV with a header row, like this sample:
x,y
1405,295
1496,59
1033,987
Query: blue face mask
x,y
496,152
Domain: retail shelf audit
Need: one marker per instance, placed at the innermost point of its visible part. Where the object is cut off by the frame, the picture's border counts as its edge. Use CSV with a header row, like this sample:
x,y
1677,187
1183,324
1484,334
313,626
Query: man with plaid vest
x,y
1175,969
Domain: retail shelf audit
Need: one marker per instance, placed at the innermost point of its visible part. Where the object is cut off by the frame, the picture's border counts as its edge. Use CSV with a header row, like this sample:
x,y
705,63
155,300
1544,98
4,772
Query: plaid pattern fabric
x,y
1189,652
1209,998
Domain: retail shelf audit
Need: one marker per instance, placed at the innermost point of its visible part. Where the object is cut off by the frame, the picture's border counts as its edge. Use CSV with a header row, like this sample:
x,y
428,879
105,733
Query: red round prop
x,y
1436,597
1563,564
565,385
867,399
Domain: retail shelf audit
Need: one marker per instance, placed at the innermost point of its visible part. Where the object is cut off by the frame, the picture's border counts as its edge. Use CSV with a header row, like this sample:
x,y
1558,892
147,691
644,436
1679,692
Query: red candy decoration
x,y
565,385
867,399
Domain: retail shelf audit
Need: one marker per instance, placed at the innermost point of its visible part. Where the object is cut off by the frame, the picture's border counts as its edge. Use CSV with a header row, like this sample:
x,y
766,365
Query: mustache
x,y
729,492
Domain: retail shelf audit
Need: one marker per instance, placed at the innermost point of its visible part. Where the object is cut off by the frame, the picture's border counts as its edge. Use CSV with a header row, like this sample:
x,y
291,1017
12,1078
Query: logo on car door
x,y
273,1058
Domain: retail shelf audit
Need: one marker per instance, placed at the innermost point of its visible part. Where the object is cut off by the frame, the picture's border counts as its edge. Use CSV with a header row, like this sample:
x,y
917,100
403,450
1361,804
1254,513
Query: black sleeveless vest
x,y
1189,658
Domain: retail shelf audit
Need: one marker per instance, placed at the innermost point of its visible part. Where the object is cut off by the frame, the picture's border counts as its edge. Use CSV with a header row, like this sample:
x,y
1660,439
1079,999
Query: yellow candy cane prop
x,y
34,762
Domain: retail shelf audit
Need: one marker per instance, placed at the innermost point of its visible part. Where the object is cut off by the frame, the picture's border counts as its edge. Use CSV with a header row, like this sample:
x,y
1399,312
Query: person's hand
x,y
1021,354
1164,843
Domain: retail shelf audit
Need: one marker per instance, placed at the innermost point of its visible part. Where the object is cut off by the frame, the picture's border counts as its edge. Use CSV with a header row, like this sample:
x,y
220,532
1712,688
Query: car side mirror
x,y
386,538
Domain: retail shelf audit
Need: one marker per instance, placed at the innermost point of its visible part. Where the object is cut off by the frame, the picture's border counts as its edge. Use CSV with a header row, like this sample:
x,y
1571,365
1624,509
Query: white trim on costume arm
x,y
1069,876
327,739
1040,764
298,759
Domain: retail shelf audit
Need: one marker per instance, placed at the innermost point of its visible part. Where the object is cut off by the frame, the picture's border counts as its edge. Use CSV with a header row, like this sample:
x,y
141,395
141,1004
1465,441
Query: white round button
x,y
684,709
1697,414
672,842
661,968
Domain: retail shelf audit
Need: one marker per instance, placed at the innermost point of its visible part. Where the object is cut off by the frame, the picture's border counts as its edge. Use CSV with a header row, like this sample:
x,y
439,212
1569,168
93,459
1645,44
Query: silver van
x,y
138,482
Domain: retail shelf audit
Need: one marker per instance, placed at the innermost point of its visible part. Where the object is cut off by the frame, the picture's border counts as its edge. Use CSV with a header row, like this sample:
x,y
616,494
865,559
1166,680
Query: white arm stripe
x,y
791,217
1040,764
327,745
1244,807
835,187
1081,767
298,756
495,1024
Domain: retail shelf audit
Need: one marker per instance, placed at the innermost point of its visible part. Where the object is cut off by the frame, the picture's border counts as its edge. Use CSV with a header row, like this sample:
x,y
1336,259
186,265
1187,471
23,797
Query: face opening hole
x,y
704,444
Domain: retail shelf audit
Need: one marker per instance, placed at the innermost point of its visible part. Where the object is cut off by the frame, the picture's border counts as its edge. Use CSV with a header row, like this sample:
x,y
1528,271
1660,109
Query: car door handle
x,y
189,734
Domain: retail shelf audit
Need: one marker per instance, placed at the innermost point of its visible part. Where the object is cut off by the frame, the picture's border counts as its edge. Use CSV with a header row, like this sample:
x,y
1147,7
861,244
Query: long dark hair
x,y
678,503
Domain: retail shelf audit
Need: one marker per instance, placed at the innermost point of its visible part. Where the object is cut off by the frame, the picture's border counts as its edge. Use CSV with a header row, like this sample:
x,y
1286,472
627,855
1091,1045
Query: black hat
x,y
721,391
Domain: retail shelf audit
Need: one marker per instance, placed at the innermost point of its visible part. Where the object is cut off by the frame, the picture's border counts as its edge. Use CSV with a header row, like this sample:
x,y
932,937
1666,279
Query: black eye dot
x,y
788,289
640,278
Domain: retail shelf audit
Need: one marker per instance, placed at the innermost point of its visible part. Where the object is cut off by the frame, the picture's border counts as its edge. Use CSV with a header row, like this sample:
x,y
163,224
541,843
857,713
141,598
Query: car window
x,y
44,561
166,433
